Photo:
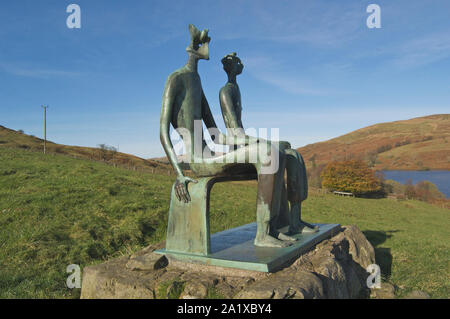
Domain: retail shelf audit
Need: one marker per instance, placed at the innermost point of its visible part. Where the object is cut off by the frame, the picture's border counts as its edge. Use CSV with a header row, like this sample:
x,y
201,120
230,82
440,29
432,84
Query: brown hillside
x,y
16,139
416,144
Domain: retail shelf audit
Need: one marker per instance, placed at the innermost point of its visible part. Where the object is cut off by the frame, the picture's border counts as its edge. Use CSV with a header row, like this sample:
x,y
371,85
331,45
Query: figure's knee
x,y
297,184
291,152
269,159
296,196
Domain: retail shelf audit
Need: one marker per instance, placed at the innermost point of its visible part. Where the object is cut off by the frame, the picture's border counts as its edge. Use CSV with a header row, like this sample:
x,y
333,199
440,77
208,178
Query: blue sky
x,y
312,68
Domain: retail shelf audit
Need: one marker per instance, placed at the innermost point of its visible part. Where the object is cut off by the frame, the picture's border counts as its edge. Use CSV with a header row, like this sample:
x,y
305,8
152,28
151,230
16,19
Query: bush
x,y
393,187
384,148
401,143
424,191
410,191
427,191
353,176
107,152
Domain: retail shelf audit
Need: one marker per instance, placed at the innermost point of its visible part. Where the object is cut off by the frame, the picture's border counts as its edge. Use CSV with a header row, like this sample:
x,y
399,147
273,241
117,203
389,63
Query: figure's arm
x,y
222,138
166,114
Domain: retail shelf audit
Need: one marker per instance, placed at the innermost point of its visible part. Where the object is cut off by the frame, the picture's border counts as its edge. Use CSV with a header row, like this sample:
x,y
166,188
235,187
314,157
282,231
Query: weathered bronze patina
x,y
297,182
183,104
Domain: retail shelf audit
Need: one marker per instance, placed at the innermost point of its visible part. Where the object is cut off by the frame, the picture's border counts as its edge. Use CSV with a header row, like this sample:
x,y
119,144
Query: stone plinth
x,y
334,268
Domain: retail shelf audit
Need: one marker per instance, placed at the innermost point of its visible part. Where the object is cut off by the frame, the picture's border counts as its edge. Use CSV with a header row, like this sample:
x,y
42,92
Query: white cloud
x,y
34,72
424,50
271,71
318,23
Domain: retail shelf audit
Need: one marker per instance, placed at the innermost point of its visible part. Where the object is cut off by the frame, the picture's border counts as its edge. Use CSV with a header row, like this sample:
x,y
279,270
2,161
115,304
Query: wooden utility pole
x,y
45,107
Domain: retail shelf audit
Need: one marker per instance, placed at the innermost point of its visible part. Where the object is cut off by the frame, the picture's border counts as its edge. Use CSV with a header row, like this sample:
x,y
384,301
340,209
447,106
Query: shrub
x,y
384,148
427,191
107,152
350,176
410,191
424,191
59,149
393,187
401,143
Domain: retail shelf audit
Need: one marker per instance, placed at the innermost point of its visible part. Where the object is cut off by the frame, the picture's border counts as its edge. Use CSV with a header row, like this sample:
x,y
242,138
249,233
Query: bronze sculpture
x,y
297,183
183,104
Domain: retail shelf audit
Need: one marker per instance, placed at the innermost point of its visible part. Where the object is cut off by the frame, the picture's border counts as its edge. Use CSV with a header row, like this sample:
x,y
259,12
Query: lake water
x,y
440,178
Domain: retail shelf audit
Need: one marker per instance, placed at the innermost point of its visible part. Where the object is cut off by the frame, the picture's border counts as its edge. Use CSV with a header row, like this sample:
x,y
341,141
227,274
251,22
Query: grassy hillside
x,y
416,144
16,139
56,210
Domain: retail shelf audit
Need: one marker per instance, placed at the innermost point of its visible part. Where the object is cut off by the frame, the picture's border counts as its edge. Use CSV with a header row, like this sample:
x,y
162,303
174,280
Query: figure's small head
x,y
232,64
199,45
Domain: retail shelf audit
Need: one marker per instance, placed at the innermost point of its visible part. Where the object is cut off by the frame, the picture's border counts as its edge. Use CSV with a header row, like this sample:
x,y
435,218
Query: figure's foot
x,y
303,228
308,228
285,237
269,241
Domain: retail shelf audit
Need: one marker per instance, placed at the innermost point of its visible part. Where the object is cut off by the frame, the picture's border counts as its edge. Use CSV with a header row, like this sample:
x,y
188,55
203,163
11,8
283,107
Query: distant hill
x,y
17,139
417,144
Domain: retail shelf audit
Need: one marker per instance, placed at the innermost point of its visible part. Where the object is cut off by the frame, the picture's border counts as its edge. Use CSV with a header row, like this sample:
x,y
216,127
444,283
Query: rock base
x,y
335,268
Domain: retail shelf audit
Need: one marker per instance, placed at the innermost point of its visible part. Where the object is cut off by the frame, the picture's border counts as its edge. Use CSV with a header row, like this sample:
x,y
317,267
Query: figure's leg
x,y
283,219
265,236
297,188
269,187
268,208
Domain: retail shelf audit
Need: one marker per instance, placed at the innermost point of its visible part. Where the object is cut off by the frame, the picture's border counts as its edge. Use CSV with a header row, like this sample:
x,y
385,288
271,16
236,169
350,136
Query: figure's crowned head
x,y
232,64
199,45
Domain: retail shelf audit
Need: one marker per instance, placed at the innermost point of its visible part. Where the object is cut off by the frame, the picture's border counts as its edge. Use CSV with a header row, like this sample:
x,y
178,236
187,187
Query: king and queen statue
x,y
279,232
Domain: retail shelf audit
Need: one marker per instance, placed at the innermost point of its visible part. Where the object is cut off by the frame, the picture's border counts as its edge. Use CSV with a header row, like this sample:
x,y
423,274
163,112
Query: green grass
x,y
56,211
176,289
410,238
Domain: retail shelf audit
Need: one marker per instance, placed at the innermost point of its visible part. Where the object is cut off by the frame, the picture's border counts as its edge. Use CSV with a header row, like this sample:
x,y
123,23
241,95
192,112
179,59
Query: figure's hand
x,y
181,190
284,145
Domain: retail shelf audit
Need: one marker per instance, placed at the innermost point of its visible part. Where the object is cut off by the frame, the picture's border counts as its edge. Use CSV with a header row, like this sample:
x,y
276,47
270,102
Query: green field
x,y
56,211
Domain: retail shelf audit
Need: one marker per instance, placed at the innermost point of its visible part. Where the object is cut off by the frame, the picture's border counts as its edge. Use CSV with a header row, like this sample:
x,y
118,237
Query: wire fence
x,y
146,167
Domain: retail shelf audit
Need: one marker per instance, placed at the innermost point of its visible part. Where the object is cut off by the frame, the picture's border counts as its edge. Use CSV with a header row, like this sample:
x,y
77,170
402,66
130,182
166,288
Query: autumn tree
x,y
352,176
